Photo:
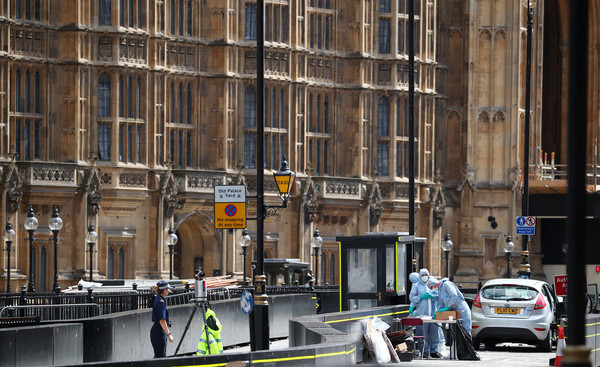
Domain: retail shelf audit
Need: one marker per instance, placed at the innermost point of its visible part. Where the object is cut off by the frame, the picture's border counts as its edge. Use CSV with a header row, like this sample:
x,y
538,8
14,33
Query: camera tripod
x,y
201,305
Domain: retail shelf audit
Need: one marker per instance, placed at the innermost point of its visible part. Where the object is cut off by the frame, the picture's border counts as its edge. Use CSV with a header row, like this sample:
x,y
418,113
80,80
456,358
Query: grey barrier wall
x,y
317,340
126,336
42,345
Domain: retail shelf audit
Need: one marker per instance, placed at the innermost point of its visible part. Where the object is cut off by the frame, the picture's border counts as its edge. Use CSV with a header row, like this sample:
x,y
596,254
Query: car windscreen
x,y
509,292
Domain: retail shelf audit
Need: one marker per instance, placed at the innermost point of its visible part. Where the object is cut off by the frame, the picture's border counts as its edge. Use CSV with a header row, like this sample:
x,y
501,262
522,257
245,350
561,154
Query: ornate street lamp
x,y
31,224
317,242
525,268
171,241
447,246
509,246
245,241
285,181
91,237
9,237
55,225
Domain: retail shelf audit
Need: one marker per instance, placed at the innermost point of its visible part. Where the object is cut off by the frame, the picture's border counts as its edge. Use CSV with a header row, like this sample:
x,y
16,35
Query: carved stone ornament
x,y
468,178
169,190
13,184
93,186
374,199
310,203
439,202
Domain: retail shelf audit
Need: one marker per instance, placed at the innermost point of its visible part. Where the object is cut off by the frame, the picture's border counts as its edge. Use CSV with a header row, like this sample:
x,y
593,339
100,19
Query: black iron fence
x,y
49,306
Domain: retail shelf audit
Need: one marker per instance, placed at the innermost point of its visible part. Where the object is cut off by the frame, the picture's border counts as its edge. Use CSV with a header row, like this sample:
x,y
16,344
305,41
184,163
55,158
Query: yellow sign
x,y
230,215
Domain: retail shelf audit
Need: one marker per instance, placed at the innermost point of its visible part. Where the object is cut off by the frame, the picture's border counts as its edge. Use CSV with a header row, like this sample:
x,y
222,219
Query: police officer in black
x,y
159,333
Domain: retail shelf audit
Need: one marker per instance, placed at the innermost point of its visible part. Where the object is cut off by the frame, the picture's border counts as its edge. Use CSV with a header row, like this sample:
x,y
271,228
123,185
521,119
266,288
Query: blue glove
x,y
427,296
411,310
447,308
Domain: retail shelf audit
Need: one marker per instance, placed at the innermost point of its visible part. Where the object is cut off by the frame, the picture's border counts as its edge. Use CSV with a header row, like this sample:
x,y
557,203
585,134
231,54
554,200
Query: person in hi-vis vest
x,y
210,339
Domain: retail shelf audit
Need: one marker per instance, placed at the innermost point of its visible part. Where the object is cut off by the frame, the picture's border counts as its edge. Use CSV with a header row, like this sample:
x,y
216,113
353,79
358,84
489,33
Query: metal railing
x,y
66,306
53,312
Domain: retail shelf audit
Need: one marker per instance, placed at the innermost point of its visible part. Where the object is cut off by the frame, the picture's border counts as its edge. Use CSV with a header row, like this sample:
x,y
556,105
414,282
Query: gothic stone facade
x,y
126,114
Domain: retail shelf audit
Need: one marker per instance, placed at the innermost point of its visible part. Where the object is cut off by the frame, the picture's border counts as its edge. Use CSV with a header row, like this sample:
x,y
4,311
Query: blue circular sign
x,y
230,210
246,302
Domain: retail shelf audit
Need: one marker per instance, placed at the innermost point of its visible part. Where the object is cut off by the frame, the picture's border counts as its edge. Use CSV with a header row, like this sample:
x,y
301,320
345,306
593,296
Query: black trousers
x,y
159,340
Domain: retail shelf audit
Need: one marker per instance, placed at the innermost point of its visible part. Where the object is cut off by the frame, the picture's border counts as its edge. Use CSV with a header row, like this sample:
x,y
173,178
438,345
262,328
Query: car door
x,y
551,299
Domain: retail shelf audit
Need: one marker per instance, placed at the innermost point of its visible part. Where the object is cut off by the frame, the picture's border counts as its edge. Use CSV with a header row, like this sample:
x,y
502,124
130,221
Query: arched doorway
x,y
199,244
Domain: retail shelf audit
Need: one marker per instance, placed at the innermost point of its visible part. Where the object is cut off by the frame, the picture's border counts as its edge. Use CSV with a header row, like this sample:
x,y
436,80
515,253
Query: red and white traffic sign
x,y
560,285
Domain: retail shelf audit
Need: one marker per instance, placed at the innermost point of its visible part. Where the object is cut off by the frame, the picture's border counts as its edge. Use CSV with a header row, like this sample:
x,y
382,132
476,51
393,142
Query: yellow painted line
x,y
298,358
206,365
588,336
365,317
595,350
595,323
340,269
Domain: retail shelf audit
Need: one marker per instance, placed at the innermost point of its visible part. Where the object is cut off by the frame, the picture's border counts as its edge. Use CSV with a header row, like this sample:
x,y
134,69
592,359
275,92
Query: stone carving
x,y
169,191
439,202
468,177
13,184
310,203
374,200
93,187
132,179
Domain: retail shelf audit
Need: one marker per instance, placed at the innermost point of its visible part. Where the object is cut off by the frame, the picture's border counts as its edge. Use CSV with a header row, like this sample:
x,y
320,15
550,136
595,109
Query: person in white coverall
x,y
451,299
422,303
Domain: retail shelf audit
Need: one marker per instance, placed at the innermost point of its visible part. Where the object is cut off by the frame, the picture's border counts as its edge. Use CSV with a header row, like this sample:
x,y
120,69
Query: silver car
x,y
514,310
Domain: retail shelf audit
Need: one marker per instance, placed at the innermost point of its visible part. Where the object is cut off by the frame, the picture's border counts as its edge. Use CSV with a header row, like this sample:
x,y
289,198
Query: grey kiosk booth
x,y
374,269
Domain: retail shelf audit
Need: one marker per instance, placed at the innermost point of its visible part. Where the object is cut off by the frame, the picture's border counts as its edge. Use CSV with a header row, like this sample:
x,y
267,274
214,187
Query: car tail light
x,y
474,326
540,302
540,328
477,301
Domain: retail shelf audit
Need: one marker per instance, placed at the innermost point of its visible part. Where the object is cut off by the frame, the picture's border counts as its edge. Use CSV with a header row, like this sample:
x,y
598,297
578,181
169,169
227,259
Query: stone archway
x,y
199,244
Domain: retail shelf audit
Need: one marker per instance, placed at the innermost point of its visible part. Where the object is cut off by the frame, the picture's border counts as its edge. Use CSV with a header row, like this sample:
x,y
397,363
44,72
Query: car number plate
x,y
512,311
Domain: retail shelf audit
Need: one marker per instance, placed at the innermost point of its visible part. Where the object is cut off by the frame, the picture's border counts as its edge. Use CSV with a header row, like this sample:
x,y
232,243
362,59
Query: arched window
x,y
326,115
189,103
249,125
250,108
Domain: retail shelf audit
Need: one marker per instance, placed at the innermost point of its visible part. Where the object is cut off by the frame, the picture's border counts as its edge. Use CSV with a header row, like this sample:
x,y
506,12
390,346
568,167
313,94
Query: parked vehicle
x,y
515,310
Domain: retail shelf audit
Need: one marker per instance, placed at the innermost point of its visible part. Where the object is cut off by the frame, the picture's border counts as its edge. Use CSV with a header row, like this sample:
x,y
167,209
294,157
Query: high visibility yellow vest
x,y
214,337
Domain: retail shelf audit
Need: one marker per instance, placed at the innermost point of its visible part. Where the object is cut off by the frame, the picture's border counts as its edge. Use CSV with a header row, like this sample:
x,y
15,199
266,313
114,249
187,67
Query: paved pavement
x,y
507,354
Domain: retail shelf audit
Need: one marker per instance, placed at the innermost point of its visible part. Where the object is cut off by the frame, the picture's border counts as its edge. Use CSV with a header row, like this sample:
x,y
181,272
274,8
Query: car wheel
x,y
476,343
546,344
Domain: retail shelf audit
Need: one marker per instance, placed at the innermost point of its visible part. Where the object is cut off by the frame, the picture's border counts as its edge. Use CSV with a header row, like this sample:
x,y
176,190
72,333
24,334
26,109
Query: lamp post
x,y
245,241
55,225
9,237
91,237
31,224
284,178
317,242
447,246
525,268
509,246
171,241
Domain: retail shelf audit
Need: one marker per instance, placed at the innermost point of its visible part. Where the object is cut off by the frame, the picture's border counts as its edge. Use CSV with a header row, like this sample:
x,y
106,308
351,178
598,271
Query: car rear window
x,y
508,292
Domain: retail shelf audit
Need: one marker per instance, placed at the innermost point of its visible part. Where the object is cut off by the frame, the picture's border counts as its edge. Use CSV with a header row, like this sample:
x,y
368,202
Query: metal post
x,y
9,236
259,322
171,261
576,353
411,120
55,287
525,268
316,266
508,258
31,223
31,286
447,253
55,225
91,249
244,254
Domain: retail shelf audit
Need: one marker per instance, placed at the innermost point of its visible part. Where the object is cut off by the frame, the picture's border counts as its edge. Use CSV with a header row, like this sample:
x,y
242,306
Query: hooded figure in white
x,y
451,299
422,303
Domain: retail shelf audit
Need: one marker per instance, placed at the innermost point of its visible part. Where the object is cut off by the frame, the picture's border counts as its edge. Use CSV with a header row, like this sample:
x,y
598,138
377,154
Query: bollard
x,y
23,300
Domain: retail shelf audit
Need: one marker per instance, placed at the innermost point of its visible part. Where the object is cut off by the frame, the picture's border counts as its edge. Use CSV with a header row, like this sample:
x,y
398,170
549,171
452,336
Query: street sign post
x,y
525,225
246,302
230,207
